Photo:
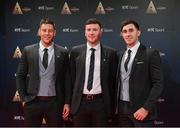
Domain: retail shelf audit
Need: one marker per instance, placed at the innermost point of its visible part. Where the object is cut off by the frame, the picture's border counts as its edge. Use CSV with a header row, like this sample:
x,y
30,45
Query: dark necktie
x,y
91,70
45,58
127,60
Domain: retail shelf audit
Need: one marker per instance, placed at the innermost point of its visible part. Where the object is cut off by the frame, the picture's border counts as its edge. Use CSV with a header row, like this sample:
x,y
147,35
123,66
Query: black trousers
x,y
91,113
125,117
36,110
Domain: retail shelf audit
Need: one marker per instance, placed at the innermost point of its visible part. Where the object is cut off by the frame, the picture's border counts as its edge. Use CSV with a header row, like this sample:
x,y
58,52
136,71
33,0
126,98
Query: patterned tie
x,y
127,60
45,58
91,70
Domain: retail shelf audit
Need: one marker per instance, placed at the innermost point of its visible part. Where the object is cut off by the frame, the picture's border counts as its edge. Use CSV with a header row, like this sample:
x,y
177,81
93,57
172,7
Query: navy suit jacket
x,y
27,76
145,82
107,75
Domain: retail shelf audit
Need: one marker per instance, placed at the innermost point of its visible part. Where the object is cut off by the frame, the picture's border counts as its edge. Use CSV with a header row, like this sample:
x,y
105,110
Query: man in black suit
x,y
139,80
41,79
93,69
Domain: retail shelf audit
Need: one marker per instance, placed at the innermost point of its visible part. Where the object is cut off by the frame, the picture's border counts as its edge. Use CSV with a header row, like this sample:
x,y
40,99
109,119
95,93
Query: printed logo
x,y
16,97
107,30
151,8
44,121
71,30
109,9
155,29
17,53
18,117
65,9
17,9
100,9
74,9
45,8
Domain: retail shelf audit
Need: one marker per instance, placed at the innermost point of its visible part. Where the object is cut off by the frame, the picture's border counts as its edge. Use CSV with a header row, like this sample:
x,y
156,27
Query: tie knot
x,y
45,50
129,51
93,49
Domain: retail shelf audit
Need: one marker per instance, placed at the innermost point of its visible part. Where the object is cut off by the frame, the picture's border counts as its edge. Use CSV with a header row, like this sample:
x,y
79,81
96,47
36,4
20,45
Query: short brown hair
x,y
126,22
93,21
47,21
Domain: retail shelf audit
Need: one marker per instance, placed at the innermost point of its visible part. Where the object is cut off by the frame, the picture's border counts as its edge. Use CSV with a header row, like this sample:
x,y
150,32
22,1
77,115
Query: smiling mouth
x,y
46,37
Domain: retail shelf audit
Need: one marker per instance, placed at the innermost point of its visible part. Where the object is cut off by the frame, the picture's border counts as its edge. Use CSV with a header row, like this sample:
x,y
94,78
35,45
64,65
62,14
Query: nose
x,y
91,32
128,33
46,32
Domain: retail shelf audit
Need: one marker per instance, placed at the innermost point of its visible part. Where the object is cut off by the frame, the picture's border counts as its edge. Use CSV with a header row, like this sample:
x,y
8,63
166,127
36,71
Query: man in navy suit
x,y
93,70
139,80
42,79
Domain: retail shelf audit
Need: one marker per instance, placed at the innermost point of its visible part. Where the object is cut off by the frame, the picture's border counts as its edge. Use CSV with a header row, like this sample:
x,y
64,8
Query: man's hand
x,y
23,104
141,114
66,111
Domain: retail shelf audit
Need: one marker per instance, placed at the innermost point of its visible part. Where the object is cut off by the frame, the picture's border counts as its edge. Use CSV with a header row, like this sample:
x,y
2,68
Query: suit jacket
x,y
107,75
27,76
145,82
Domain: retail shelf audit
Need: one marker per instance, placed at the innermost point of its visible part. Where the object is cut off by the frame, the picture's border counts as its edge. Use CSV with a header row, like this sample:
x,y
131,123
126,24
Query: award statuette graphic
x,y
17,9
44,121
100,9
16,97
65,9
17,53
151,8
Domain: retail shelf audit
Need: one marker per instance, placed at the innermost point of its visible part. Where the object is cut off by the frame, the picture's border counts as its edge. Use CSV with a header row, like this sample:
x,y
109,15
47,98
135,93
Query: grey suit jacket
x,y
108,72
145,82
27,76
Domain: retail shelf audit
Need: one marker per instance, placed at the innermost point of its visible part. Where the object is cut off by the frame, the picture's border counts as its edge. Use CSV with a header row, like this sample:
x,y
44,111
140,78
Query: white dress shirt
x,y
124,94
96,87
50,51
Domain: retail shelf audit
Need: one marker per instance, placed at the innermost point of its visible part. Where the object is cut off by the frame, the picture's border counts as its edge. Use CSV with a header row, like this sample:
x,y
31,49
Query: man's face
x,y
93,33
130,34
47,34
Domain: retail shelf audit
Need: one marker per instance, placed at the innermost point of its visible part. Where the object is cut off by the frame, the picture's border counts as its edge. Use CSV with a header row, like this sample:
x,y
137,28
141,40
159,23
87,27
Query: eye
x,y
51,30
95,29
131,30
44,30
124,31
88,29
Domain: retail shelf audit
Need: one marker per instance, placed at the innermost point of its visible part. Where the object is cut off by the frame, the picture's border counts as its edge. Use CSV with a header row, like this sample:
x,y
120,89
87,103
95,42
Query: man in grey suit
x,y
139,80
93,70
42,77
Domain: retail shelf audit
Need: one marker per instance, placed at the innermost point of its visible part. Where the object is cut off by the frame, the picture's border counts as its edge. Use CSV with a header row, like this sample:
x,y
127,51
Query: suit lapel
x,y
119,64
57,56
82,61
118,76
103,58
36,58
55,59
137,57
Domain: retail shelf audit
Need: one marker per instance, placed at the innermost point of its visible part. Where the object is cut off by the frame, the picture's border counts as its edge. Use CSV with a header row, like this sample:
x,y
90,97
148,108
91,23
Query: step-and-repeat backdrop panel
x,y
158,19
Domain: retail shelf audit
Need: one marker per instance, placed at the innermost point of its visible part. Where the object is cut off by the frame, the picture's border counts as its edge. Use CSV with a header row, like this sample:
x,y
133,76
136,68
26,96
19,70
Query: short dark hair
x,y
126,22
47,21
93,21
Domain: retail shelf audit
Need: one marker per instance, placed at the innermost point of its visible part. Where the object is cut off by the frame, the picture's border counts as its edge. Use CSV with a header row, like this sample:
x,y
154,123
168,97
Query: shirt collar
x,y
42,47
97,47
134,48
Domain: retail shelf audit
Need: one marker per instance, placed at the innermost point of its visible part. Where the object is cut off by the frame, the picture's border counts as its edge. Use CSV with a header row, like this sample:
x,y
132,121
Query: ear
x,y
139,33
85,34
101,31
54,32
120,34
38,33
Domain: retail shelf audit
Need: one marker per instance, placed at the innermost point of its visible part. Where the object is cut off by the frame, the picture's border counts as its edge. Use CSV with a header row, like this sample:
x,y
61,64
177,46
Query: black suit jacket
x,y
27,76
107,75
146,81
